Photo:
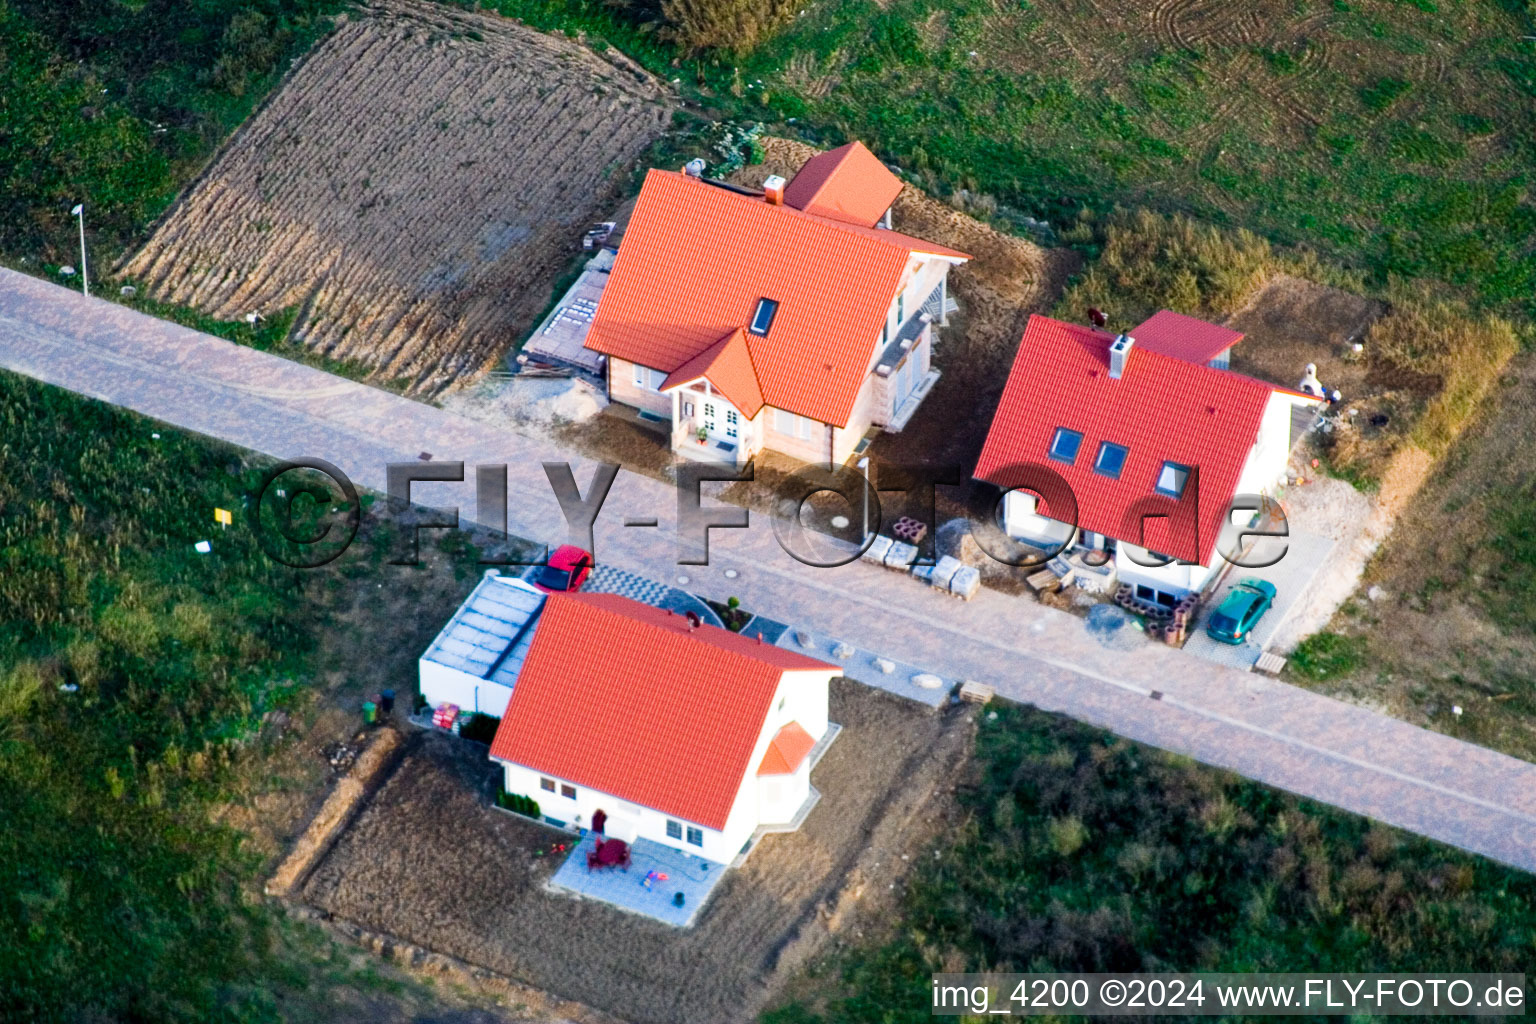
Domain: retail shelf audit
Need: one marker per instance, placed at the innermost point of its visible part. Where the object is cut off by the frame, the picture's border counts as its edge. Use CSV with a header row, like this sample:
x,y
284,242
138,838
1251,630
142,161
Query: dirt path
x,y
1313,745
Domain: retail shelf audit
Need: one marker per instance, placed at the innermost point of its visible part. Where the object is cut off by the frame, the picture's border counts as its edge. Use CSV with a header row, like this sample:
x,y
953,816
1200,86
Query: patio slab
x,y
692,876
605,579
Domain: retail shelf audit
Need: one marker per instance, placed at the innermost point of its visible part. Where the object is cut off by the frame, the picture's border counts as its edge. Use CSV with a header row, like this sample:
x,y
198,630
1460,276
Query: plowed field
x,y
412,190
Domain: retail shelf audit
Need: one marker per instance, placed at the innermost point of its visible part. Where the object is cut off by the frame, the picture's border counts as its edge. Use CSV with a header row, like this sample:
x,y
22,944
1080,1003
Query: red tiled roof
x,y
1184,337
789,747
848,183
728,366
626,699
694,262
1161,409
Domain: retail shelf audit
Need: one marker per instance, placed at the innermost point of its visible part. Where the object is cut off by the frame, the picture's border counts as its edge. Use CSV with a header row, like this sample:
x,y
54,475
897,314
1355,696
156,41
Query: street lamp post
x,y
79,212
864,468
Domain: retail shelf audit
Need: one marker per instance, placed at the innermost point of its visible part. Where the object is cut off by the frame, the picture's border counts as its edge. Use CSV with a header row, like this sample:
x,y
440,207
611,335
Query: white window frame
x,y
1057,436
1098,459
674,829
695,836
647,379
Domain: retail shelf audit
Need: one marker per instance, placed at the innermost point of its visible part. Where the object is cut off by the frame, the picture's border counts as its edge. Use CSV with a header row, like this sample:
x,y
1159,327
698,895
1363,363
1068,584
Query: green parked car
x,y
1241,610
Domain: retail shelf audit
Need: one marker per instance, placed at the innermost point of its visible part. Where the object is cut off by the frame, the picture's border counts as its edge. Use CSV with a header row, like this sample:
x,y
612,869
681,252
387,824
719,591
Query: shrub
x,y
480,728
1443,339
1382,93
734,26
517,802
1150,262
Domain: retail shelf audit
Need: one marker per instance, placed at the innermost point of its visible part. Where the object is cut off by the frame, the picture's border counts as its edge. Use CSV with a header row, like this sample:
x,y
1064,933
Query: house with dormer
x,y
792,317
1135,445
664,728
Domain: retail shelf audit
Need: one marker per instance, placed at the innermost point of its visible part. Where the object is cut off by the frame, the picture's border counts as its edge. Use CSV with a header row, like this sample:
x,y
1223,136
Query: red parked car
x,y
565,572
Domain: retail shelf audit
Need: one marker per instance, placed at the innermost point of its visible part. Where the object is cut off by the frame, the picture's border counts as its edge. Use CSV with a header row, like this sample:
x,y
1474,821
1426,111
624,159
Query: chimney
x,y
1119,354
694,168
773,189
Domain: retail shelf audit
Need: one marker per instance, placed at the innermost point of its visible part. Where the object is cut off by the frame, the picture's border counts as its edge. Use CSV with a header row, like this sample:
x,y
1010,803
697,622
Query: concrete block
x,y
900,555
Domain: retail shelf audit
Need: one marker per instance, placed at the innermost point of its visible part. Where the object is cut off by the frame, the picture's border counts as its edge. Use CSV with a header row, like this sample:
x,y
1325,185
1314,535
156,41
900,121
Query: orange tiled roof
x,y
695,260
626,699
1184,337
788,748
1162,409
848,183
727,365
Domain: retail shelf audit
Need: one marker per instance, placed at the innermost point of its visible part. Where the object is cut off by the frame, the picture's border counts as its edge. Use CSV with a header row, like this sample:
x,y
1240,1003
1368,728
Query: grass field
x,y
1396,137
139,791
1084,852
1454,620
118,105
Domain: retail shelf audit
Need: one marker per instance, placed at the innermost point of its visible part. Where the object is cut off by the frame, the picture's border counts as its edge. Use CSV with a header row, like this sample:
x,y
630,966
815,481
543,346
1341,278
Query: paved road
x,y
1288,737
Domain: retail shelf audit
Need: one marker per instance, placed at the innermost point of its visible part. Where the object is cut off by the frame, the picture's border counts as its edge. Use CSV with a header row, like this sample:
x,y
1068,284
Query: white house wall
x,y
1175,578
804,695
1271,449
441,684
1022,521
780,796
923,276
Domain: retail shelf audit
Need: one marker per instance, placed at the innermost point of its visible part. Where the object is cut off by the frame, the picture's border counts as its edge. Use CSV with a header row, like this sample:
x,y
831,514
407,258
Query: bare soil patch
x,y
431,862
1291,322
413,190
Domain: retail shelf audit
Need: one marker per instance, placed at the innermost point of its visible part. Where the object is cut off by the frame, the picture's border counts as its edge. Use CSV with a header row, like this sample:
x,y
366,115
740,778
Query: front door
x,y
721,422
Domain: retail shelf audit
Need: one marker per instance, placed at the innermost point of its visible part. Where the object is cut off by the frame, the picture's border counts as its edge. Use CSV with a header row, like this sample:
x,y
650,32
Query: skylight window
x,y
1065,444
762,318
1171,479
1111,459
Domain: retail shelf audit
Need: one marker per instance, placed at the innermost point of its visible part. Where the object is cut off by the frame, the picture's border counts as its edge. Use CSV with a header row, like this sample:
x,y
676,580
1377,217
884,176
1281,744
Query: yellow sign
x,y
223,516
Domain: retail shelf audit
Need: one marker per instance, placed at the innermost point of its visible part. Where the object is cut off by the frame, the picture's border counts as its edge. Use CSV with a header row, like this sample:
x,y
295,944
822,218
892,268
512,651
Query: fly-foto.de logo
x,y
307,512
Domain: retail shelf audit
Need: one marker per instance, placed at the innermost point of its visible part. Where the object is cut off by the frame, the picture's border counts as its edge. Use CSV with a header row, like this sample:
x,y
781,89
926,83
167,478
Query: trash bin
x,y
678,899
387,702
370,712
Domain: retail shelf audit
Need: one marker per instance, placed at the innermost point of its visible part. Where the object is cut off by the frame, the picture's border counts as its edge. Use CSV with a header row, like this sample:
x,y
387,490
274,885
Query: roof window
x,y
1111,459
762,317
1171,479
1065,444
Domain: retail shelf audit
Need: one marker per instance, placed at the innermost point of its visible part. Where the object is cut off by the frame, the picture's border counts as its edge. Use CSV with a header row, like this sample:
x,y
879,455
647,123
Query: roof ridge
x,y
858,231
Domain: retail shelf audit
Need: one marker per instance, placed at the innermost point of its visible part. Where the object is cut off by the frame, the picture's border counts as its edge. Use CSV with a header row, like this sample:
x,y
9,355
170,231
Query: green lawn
x,y
134,672
118,104
1083,852
1395,137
